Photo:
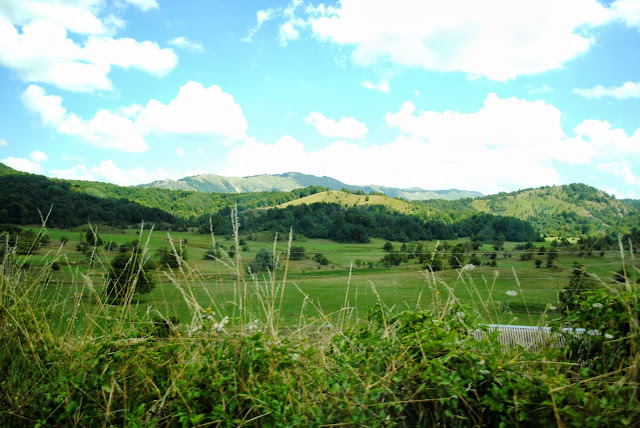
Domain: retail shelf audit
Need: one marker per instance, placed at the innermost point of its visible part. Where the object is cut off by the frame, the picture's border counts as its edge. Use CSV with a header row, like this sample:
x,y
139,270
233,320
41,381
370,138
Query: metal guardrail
x,y
531,338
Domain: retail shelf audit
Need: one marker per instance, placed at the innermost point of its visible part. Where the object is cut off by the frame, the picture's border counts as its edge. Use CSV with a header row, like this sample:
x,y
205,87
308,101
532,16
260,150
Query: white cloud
x,y
347,127
500,122
540,90
195,110
48,106
382,86
108,171
78,16
143,5
622,169
289,30
36,44
628,11
262,16
507,144
605,143
180,151
132,110
38,156
104,130
126,53
184,43
498,39
3,143
22,164
627,90
405,162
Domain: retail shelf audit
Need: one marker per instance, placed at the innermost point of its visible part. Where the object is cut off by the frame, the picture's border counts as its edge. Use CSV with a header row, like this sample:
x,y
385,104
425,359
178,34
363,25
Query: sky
x,y
490,96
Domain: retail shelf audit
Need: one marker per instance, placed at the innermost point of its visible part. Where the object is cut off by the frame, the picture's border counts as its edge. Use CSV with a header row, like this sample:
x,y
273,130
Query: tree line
x,y
360,223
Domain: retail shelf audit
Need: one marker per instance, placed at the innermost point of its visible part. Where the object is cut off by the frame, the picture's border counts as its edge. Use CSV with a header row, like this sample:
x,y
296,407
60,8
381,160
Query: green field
x,y
353,278
311,345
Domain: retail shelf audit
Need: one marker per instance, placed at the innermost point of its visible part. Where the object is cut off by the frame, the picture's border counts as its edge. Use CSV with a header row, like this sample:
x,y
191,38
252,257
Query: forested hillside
x,y
571,210
25,196
359,223
574,209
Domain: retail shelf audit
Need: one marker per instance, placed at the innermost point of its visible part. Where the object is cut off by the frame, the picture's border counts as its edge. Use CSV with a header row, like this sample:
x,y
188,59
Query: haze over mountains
x,y
211,183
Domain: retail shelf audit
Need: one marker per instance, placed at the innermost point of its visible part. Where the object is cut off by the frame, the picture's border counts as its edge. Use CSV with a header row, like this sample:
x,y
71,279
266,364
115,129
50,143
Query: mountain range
x,y
211,183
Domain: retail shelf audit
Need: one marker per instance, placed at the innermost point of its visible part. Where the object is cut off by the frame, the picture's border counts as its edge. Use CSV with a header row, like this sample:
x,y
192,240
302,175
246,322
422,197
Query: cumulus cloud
x,y
36,43
22,164
382,86
180,151
104,130
627,90
499,123
497,39
347,127
622,169
108,171
132,110
127,53
3,143
196,110
430,165
186,44
79,16
627,11
38,156
509,143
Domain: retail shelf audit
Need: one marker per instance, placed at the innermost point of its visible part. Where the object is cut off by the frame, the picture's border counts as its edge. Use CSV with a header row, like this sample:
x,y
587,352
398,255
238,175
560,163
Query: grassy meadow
x,y
349,343
353,275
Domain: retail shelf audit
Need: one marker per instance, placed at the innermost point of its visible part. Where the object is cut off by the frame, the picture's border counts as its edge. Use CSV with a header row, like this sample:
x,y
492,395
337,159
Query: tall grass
x,y
80,361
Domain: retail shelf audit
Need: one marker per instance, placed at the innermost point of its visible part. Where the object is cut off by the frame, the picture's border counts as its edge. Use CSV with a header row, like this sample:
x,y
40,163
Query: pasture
x,y
353,278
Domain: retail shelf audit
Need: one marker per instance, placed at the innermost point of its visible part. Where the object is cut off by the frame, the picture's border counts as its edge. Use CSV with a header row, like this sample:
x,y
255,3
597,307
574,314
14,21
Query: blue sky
x,y
488,96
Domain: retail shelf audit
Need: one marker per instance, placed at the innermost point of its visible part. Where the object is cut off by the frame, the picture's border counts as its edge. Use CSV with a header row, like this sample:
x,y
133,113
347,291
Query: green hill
x,y
350,199
574,209
569,210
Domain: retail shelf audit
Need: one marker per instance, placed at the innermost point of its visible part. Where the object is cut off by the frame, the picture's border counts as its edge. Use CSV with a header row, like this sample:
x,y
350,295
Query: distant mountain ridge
x,y
211,183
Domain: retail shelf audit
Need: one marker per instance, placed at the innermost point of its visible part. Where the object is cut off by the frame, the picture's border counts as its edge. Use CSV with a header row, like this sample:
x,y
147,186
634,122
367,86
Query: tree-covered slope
x,y
76,202
574,209
28,198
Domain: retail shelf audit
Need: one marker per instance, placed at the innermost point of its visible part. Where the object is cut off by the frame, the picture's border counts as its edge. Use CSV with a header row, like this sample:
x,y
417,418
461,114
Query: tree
x,y
393,258
93,238
170,258
264,260
434,265
321,259
130,273
421,252
456,260
297,253
388,246
581,281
